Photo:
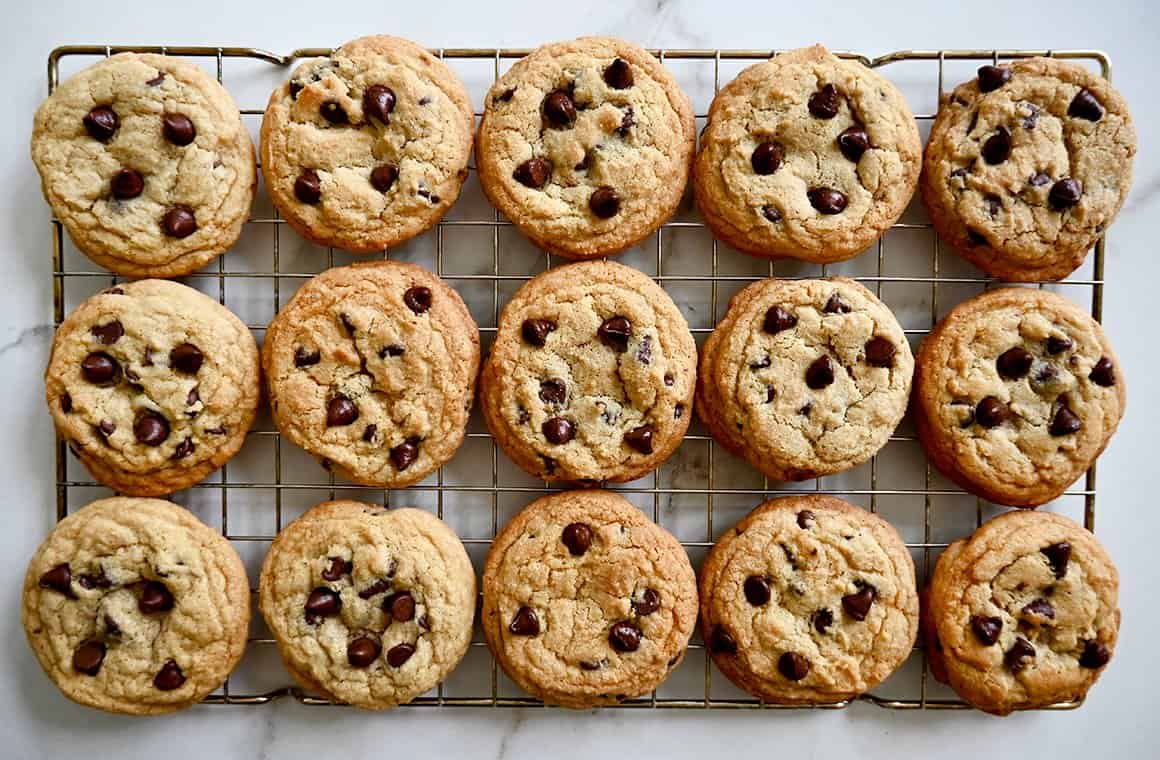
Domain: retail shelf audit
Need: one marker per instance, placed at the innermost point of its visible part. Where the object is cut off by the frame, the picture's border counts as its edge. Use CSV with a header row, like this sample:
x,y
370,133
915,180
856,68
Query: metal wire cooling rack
x,y
697,494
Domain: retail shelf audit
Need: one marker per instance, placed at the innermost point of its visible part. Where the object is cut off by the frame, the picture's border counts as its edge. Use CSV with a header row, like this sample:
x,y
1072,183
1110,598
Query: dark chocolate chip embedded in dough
x,y
721,641
295,88
405,454
179,222
771,214
1095,655
525,622
87,658
156,80
1014,363
308,186
150,428
399,654
186,358
1057,345
767,157
1058,555
169,677
101,123
558,430
997,148
553,391
418,299
604,202
678,411
533,173
822,620
586,665
59,579
1065,193
1103,373
369,433
383,177
363,651
333,112
577,537
993,77
401,606
648,603
627,121
793,666
322,602
857,605
618,74
127,184
990,412
975,237
178,128
65,403
341,411
880,352
1039,608
823,104
106,428
1065,422
986,629
641,438
853,142
504,96
379,586
820,373
827,200
108,333
778,319
378,102
155,597
806,519
756,590
644,350
338,567
1039,179
835,305
304,358
615,332
625,637
1085,106
391,351
535,331
559,111
1018,655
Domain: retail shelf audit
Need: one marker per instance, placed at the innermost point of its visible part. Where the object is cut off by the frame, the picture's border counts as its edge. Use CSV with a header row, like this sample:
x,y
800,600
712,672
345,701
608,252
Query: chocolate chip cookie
x,y
371,368
591,375
586,601
808,156
804,378
1016,393
367,148
1025,612
372,607
809,599
586,146
1027,165
135,606
146,162
153,384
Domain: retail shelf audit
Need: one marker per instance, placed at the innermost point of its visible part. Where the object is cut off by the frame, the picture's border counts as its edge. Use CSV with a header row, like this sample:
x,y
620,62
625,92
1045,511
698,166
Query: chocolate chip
x,y
65,403
1058,555
179,222
535,331
678,411
383,177
553,392
504,96
423,623
994,206
418,299
806,519
1085,106
649,602
322,602
624,637
378,102
178,129
993,77
106,428
58,579
641,438
1017,656
101,123
827,200
820,373
822,620
1065,193
1065,422
770,394
150,428
558,109
778,319
990,412
127,184
1039,608
823,104
853,142
533,173
192,397
1104,373
721,641
880,352
997,148
108,333
615,333
88,657
604,202
155,597
156,80
379,586
1095,655
767,157
793,666
1039,179
1014,363
771,213
986,629
369,433
361,652
401,606
644,351
295,88
399,654
586,665
186,358
577,537
857,605
618,74
308,186
338,568
835,305
756,590
1032,117
169,677
584,162
304,358
525,622
391,351
1057,345
558,430
100,369
428,195
341,411
626,122
333,112
976,237
405,454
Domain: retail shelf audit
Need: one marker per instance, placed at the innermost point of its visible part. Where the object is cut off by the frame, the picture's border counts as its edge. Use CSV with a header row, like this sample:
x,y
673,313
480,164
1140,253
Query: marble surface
x,y
40,723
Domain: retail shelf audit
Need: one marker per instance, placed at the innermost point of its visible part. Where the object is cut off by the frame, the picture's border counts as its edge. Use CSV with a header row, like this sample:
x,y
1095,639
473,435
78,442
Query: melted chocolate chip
x,y
1103,373
65,403
721,641
363,651
108,333
558,109
857,605
155,597
827,200
604,202
822,620
418,299
1095,655
990,412
333,112
615,333
401,606
986,629
756,590
771,214
1040,608
649,602
997,148
186,358
525,622
1085,106
341,411
304,358
853,142
308,186
179,222
322,602
641,438
880,352
178,128
820,373
823,104
535,331
624,637
378,102
1058,555
805,519
405,454
127,184
618,74
577,537
778,319
553,391
150,428
1017,656
558,430
793,666
1065,422
1014,363
379,586
626,122
58,579
101,123
533,173
993,77
338,568
399,654
1065,193
169,677
383,177
767,157
88,657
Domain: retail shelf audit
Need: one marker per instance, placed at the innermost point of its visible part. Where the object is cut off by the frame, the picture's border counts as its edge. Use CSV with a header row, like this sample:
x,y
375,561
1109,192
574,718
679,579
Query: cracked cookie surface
x,y
1017,391
370,606
153,384
586,601
586,146
369,147
1024,611
809,599
372,368
808,156
1027,165
591,375
146,162
804,378
135,606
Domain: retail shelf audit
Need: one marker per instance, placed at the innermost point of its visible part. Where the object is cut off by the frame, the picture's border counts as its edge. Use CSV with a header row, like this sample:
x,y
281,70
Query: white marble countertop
x,y
41,723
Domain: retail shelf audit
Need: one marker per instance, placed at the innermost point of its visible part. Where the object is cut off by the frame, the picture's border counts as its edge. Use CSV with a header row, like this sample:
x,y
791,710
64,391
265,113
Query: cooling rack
x,y
697,494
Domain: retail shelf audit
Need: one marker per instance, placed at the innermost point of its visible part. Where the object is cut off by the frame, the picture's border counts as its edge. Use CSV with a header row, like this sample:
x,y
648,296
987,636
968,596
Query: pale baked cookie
x,y
367,148
809,599
135,606
1016,392
371,607
586,601
586,146
371,368
1026,167
1024,611
808,156
146,162
804,378
591,375
153,384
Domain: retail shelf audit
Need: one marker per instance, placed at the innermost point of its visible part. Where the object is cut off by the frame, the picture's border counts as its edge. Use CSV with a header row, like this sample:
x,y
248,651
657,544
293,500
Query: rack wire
x,y
690,484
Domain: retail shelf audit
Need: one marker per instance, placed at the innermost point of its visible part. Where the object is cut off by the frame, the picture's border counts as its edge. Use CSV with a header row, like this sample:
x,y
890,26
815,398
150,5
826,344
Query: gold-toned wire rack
x,y
673,483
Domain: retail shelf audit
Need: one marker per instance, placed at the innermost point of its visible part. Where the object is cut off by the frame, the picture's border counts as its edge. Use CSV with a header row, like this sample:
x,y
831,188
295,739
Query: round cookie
x,y
591,375
371,607
1016,393
146,162
372,368
586,146
1027,165
135,606
809,600
808,156
367,148
804,378
1024,611
586,601
153,384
